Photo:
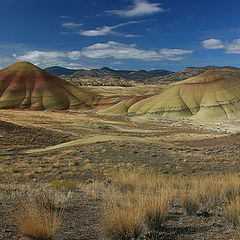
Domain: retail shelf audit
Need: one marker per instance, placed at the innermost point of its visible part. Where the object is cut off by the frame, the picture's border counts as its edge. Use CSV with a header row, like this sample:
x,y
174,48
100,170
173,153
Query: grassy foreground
x,y
134,205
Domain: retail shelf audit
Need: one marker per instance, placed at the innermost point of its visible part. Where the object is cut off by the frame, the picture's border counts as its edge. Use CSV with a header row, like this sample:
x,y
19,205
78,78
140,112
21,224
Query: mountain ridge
x,y
139,75
189,72
107,75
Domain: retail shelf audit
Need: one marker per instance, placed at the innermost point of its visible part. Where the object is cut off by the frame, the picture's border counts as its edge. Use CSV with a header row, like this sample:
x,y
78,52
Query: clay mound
x,y
107,102
212,95
121,107
23,85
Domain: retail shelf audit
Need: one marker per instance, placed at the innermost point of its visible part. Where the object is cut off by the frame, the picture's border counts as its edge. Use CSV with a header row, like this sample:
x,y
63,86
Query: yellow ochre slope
x,y
212,95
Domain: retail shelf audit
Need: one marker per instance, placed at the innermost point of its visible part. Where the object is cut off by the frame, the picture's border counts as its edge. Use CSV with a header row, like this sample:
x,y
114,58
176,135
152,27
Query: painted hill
x,y
24,85
122,106
188,72
209,96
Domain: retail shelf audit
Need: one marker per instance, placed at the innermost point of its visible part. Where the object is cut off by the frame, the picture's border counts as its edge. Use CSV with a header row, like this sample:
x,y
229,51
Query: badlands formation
x,y
122,106
213,95
23,85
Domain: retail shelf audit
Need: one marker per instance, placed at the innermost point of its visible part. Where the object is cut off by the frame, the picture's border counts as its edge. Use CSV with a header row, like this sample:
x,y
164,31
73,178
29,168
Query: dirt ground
x,y
164,146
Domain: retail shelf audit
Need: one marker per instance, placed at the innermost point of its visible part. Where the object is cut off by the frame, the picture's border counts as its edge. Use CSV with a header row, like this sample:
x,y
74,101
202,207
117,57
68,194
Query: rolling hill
x,y
122,106
212,95
188,72
23,85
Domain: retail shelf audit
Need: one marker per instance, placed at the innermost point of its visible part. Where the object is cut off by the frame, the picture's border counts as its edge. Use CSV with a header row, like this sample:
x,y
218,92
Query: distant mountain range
x,y
138,76
142,76
58,71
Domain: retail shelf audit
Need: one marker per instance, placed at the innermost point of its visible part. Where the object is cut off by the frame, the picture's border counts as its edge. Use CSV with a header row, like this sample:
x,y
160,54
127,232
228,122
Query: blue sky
x,y
123,34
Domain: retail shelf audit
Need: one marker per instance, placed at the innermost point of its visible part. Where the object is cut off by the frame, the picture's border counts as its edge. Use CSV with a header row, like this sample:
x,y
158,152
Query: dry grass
x,y
137,201
122,221
38,215
209,193
134,204
231,187
190,201
122,215
127,182
236,236
155,206
99,190
155,194
232,211
141,181
63,185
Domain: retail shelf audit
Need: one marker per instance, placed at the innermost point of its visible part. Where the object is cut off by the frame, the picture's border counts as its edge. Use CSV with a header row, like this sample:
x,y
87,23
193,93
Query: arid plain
x,y
89,148
79,153
38,145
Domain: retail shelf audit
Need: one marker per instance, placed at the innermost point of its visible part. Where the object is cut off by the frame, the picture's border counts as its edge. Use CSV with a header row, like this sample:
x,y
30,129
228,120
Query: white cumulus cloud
x,y
123,51
71,25
212,44
74,55
97,32
139,8
117,63
111,49
51,58
107,30
36,56
233,47
174,54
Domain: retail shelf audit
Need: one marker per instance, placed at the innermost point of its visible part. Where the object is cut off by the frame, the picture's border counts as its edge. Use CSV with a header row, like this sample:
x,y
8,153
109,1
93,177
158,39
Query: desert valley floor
x,y
44,146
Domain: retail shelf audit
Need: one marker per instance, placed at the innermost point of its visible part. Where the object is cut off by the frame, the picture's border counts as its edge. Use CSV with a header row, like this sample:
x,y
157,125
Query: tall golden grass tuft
x,y
139,181
137,201
38,216
127,182
155,205
232,211
190,202
230,187
122,221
